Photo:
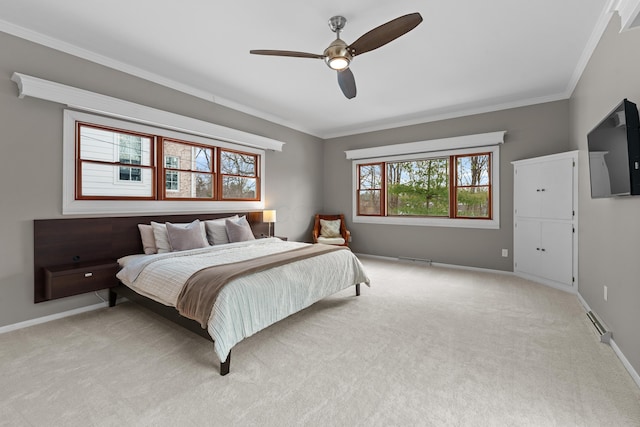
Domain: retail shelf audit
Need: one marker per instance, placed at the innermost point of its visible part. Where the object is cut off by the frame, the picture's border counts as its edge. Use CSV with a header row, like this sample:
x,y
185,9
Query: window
x,y
239,175
427,187
418,187
118,161
103,163
190,173
452,182
473,186
370,179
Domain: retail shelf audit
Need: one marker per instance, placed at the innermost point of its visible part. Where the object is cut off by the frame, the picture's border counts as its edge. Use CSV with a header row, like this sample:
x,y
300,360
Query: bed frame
x,y
76,240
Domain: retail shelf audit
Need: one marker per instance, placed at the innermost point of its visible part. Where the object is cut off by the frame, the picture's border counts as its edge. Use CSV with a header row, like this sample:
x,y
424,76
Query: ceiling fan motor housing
x,y
337,55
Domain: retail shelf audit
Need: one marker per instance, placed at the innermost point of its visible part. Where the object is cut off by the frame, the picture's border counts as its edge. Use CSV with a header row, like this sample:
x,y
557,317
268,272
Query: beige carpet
x,y
426,346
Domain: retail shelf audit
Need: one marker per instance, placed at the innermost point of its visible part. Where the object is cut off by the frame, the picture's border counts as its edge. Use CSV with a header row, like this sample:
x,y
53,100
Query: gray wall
x,y
609,229
31,172
531,131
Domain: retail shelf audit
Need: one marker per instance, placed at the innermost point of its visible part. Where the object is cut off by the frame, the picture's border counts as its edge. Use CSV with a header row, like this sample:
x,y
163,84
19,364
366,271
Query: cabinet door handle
x,y
537,249
88,274
543,249
543,189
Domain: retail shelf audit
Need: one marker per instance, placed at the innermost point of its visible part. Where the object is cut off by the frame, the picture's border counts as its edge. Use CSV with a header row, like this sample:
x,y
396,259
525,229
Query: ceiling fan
x,y
338,55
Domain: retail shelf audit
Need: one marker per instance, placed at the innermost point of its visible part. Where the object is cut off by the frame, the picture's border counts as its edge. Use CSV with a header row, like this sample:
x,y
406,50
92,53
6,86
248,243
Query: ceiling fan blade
x,y
286,53
347,83
385,33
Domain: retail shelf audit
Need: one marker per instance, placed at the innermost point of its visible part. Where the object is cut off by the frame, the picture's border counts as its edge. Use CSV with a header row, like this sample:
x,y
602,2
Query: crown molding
x,y
628,11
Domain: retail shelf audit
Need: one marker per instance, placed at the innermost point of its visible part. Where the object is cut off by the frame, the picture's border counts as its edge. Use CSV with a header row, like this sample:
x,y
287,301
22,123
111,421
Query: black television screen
x,y
614,153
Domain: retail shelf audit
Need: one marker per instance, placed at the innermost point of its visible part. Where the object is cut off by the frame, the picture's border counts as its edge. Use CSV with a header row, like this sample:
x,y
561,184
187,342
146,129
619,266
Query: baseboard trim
x,y
625,362
435,264
550,283
616,349
45,319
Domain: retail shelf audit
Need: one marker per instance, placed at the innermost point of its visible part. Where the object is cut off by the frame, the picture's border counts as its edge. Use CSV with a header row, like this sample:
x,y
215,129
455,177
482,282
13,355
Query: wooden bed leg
x,y
224,366
112,298
357,289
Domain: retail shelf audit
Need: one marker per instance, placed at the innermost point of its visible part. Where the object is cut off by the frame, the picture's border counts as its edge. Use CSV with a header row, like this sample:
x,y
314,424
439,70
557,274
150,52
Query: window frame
x,y
483,223
71,205
222,175
382,190
454,188
162,194
115,163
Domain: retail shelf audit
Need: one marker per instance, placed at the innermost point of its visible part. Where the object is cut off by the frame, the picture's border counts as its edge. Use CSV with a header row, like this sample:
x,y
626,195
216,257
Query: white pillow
x,y
217,230
162,237
148,240
330,228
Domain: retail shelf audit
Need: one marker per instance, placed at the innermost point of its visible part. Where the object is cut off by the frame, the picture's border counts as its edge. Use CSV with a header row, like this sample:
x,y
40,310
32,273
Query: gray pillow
x,y
217,230
239,231
183,237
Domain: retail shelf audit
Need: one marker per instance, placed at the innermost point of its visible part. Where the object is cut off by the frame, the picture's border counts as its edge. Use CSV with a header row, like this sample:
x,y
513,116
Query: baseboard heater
x,y
405,258
605,336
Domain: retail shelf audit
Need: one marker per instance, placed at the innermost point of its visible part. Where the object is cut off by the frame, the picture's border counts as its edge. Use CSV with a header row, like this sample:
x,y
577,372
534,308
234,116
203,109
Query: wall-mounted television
x,y
614,153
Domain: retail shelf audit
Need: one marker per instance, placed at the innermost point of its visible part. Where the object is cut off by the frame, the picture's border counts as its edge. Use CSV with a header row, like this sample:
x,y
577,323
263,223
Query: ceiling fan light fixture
x,y
337,55
338,63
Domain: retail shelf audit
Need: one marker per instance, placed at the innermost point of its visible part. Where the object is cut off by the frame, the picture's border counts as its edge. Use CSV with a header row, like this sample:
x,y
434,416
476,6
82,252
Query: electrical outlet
x,y
505,253
606,291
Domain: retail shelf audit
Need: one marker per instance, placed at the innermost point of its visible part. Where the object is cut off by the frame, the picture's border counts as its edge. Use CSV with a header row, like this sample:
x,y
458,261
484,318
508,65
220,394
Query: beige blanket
x,y
200,291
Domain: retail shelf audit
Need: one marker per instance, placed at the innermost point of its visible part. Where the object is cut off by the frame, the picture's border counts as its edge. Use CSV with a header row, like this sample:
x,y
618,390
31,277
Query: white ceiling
x,y
467,56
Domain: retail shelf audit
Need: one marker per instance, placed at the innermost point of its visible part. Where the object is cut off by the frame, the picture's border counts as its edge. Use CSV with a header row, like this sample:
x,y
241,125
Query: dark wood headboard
x,y
75,240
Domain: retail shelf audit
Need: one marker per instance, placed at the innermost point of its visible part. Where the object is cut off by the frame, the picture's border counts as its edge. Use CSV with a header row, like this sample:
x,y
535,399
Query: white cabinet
x,y
545,219
544,189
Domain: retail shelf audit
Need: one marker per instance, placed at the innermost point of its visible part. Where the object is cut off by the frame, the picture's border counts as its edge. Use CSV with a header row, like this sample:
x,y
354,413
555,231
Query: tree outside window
x,y
473,186
239,175
419,188
370,189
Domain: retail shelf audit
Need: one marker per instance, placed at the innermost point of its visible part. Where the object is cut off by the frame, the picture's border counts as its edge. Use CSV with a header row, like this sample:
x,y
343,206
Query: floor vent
x,y
404,258
605,336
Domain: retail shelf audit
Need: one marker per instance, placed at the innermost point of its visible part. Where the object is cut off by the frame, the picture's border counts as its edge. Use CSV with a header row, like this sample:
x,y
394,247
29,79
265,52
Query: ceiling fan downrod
x,y
337,55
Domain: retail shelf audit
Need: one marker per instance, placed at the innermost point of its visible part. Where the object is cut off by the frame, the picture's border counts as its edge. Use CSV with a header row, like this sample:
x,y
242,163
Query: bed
x,y
245,304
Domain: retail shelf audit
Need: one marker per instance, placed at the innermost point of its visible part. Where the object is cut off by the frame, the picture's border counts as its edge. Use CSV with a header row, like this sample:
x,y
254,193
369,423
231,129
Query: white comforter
x,y
250,303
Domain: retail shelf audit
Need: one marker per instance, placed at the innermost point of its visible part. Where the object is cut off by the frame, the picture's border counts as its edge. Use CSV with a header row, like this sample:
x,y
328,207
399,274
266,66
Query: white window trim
x,y
71,206
88,101
488,142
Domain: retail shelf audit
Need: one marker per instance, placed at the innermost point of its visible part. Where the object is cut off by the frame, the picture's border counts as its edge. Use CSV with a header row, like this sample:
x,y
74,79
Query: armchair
x,y
334,234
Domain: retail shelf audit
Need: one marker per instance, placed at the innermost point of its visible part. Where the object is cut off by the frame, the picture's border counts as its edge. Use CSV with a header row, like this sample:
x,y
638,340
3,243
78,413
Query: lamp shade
x,y
269,216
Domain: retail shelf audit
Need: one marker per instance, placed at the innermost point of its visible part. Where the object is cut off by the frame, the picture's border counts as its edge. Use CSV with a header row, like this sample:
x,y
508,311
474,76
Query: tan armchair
x,y
341,235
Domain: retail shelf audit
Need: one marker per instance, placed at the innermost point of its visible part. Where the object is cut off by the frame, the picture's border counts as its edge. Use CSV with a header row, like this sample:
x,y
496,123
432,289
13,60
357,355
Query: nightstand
x,y
73,279
264,236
